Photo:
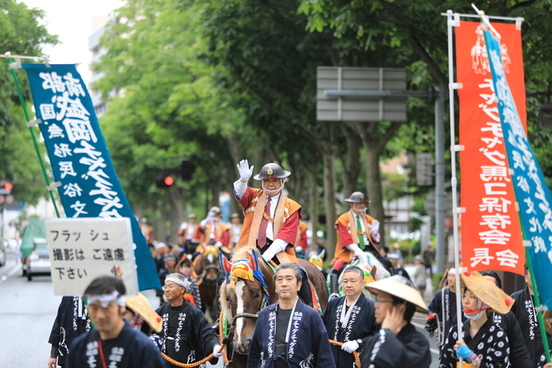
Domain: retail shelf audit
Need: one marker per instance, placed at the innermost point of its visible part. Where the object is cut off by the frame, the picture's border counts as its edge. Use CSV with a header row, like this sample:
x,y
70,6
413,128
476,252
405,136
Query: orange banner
x,y
491,237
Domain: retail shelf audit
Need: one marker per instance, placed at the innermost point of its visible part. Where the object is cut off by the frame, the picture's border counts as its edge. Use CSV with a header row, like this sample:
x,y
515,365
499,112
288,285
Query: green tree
x,y
21,33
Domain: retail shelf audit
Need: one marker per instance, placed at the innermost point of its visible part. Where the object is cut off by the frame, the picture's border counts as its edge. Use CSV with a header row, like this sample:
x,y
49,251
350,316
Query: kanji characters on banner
x,y
79,157
532,194
491,237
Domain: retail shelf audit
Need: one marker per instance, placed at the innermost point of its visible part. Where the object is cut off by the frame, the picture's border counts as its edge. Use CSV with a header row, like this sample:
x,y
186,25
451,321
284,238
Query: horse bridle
x,y
208,267
264,303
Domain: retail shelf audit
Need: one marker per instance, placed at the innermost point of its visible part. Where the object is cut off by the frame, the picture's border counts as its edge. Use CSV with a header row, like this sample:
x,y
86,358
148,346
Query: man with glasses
x,y
398,343
350,318
186,336
113,342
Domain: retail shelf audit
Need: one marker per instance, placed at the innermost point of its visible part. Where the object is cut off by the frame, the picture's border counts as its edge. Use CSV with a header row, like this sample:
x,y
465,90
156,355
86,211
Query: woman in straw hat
x,y
483,343
398,343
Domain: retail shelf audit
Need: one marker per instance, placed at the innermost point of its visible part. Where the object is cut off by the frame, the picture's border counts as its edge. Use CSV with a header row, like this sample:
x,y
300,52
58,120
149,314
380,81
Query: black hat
x,y
357,197
272,170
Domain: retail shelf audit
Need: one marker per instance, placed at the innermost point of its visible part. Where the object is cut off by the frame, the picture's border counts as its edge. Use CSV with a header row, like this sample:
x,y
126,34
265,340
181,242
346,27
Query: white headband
x,y
176,280
105,299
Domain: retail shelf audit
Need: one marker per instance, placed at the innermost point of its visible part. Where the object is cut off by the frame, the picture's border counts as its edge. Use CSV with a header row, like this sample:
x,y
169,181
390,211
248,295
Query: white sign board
x,y
82,249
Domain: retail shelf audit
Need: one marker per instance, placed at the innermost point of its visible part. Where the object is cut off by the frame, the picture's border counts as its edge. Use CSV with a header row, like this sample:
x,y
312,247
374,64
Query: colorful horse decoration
x,y
247,289
373,270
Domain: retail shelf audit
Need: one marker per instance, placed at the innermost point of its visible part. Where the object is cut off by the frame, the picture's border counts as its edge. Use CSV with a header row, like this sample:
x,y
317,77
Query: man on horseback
x,y
271,219
357,232
212,231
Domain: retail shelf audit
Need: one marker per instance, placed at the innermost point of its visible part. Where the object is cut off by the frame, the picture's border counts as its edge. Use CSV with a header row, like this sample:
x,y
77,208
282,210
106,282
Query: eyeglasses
x,y
169,287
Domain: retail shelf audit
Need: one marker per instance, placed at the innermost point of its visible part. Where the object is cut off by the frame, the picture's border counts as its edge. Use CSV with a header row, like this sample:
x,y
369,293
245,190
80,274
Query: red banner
x,y
491,235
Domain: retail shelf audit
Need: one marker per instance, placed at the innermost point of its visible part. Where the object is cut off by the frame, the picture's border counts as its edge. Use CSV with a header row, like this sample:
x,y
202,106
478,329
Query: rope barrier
x,y
207,358
355,354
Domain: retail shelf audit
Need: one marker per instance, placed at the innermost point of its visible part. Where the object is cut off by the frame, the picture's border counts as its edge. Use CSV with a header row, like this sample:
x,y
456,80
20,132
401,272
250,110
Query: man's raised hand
x,y
244,170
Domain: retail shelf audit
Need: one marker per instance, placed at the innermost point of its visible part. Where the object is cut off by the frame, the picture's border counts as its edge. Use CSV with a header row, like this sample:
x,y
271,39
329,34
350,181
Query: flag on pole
x,y
490,231
532,194
87,183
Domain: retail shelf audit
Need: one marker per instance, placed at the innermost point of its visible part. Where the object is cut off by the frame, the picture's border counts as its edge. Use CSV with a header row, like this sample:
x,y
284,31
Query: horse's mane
x,y
242,253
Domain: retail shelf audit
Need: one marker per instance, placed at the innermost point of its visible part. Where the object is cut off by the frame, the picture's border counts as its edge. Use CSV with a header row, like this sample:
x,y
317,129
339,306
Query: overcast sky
x,y
72,21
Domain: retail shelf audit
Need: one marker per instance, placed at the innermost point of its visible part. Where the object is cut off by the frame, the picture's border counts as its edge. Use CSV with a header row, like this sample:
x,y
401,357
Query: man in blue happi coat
x,y
289,333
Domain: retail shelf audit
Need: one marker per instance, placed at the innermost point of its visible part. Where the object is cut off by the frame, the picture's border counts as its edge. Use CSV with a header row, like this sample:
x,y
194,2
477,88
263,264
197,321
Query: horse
x,y
247,289
373,271
207,268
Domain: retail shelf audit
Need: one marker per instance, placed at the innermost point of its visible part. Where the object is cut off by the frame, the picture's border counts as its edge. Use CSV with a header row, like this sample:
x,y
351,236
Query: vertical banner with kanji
x,y
532,194
491,235
80,161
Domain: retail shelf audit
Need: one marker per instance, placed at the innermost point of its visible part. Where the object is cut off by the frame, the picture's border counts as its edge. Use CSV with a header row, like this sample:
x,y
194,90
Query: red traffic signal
x,y
164,181
8,186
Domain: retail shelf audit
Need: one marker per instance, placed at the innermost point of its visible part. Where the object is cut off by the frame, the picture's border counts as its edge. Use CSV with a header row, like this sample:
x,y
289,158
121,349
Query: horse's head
x,y
317,259
208,265
243,294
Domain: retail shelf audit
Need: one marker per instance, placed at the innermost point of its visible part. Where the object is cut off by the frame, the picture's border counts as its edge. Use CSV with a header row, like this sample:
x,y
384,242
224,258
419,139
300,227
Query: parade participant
x,y
547,319
271,219
482,342
212,231
114,343
519,355
429,258
186,335
350,318
192,295
141,315
526,315
289,333
398,343
420,277
442,309
169,266
356,233
397,269
186,233
236,228
71,321
147,231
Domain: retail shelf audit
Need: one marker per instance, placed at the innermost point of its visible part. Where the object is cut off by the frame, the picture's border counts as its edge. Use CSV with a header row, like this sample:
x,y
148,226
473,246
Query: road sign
x,y
360,94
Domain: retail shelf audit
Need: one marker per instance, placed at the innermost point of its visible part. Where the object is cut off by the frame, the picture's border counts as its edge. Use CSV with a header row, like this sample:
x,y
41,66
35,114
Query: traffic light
x,y
187,169
164,181
5,187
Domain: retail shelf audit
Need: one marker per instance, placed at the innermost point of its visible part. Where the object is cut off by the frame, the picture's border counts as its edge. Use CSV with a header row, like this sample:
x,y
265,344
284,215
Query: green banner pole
x,y
33,136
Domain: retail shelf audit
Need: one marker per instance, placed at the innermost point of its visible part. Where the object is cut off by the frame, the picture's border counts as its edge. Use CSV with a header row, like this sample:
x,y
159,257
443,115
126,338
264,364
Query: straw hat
x,y
400,287
487,292
139,304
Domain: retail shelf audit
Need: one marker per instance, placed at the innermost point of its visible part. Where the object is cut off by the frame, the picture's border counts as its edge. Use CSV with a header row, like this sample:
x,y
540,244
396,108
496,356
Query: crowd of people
x,y
368,324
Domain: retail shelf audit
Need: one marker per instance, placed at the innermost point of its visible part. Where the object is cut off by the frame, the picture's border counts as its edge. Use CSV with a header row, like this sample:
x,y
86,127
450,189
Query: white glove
x,y
355,249
276,247
217,351
374,227
350,346
244,170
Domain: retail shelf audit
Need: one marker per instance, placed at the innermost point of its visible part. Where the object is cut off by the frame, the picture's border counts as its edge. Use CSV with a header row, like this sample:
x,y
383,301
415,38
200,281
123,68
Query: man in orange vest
x,y
357,232
212,231
271,219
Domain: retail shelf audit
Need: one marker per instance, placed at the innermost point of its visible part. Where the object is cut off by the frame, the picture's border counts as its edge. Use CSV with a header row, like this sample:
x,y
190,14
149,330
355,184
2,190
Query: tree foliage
x,y
21,33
